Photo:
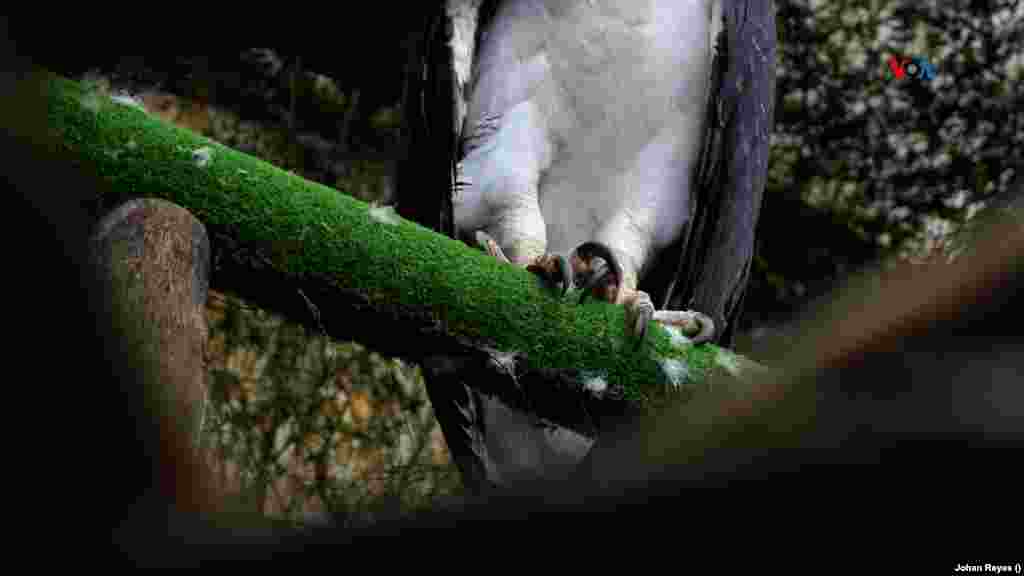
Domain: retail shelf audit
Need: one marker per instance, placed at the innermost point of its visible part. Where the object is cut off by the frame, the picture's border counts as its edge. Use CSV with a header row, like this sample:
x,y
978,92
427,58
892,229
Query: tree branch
x,y
357,271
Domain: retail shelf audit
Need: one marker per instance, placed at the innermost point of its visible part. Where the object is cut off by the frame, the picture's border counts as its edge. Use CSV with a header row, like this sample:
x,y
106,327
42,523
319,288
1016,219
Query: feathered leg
x,y
553,269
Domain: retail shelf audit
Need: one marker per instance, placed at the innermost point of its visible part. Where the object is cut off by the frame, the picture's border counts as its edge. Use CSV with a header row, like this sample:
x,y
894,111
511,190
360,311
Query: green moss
x,y
304,227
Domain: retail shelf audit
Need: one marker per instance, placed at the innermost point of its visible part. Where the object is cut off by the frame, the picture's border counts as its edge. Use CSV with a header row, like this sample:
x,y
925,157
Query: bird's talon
x,y
698,327
597,267
640,327
640,307
554,270
595,270
597,276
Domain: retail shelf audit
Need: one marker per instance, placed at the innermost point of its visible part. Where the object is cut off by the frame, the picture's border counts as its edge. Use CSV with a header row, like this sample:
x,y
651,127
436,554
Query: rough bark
x,y
154,259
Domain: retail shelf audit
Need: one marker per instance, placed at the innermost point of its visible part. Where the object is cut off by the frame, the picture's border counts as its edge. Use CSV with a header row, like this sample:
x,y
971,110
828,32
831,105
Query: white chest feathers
x,y
583,120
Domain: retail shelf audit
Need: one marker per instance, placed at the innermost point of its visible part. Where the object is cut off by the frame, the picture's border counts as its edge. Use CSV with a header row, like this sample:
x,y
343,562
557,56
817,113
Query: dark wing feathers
x,y
712,260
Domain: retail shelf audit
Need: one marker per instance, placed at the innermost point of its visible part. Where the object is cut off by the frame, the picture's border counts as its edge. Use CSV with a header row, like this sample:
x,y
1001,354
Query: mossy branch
x,y
360,271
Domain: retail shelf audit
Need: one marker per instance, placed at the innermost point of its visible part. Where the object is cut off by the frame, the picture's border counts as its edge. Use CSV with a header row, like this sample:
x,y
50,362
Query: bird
x,y
614,147
581,121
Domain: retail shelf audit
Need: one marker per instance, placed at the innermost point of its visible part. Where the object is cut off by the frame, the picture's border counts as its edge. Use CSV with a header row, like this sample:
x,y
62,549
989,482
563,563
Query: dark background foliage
x,y
860,159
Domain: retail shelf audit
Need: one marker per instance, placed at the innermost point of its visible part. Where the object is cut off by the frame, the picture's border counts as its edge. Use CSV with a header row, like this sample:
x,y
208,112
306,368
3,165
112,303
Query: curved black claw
x,y
707,329
554,269
594,275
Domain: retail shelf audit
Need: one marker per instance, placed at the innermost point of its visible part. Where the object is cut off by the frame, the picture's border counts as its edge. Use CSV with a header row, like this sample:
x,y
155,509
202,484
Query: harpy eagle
x,y
617,145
